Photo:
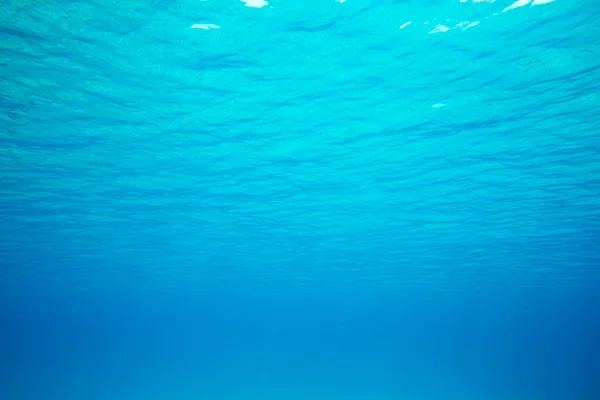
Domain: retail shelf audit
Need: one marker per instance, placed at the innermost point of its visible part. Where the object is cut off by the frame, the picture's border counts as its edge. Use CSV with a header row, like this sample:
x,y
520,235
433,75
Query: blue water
x,y
260,200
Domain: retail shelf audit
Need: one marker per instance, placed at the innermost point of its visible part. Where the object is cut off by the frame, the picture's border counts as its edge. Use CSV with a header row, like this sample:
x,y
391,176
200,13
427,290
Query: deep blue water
x,y
260,200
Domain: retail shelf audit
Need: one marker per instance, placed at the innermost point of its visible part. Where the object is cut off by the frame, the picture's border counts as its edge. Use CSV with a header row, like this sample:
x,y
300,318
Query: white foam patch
x,y
516,4
404,25
255,3
205,26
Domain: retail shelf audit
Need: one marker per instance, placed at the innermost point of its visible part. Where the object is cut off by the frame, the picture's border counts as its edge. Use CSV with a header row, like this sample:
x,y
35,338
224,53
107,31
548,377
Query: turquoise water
x,y
223,199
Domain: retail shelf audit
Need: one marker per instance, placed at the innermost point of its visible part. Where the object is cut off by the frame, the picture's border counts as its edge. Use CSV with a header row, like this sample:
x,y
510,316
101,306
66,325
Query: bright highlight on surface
x,y
522,3
466,24
205,26
516,4
255,3
440,28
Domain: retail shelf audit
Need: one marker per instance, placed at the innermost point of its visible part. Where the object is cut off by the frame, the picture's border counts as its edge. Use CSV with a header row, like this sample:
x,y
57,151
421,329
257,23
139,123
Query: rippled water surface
x,y
223,199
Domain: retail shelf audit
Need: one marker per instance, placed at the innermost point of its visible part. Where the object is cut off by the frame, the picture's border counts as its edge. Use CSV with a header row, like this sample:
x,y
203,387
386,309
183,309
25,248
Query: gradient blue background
x,y
300,201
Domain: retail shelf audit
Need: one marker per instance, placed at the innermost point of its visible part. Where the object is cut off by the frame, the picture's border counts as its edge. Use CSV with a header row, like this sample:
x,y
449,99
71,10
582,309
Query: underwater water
x,y
260,200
